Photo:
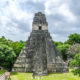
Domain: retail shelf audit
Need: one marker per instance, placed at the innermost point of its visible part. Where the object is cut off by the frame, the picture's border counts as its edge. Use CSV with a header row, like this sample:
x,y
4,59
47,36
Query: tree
x,y
3,40
7,56
76,63
17,46
62,50
73,50
73,38
58,43
9,51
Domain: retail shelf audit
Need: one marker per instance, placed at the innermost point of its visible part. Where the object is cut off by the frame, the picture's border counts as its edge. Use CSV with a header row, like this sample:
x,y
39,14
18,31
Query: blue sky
x,y
16,17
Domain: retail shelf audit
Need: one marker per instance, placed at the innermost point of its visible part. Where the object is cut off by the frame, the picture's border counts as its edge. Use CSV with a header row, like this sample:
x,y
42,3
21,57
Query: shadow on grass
x,y
14,73
2,71
58,73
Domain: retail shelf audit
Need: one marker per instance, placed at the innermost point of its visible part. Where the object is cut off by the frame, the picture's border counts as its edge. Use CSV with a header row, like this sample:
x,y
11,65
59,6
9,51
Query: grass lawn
x,y
54,76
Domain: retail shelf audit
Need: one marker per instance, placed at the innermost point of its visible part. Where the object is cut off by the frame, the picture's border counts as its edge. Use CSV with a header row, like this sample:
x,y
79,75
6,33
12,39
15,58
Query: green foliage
x,y
51,76
2,71
76,63
73,50
17,46
62,50
9,51
3,40
7,56
58,43
73,38
8,46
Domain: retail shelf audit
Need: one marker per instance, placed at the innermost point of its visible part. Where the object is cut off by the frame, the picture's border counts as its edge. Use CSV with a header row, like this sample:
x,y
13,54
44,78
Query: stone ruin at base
x,y
40,54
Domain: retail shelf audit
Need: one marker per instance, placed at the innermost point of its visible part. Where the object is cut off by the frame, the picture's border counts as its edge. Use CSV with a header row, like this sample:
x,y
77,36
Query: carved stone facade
x,y
40,53
39,22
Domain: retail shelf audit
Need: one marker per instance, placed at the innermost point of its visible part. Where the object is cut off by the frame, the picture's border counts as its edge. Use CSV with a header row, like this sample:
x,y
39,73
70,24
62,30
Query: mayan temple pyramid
x,y
40,54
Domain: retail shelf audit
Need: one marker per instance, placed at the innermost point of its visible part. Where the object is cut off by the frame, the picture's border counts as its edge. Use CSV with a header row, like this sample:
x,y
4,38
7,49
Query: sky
x,y
16,16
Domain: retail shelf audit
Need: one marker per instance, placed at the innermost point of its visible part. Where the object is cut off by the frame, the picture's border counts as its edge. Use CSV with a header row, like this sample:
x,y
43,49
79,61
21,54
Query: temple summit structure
x,y
40,53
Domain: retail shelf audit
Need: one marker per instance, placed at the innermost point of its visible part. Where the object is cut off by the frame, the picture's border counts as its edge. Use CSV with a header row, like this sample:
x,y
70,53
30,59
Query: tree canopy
x,y
76,63
62,50
7,56
9,51
73,38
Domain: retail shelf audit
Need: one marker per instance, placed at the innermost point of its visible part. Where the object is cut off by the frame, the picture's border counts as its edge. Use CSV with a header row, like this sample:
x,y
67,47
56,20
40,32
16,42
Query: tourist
x,y
7,75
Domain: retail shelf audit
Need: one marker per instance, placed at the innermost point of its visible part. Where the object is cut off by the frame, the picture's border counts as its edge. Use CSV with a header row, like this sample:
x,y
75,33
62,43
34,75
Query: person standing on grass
x,y
40,75
7,76
34,74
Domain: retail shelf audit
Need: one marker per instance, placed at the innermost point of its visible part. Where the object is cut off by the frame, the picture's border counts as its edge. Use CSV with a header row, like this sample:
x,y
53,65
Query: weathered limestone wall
x,y
39,20
44,27
40,54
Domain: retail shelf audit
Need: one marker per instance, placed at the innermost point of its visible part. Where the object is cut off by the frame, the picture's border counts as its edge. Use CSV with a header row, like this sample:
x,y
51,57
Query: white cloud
x,y
35,1
51,6
64,10
14,10
11,11
16,22
3,1
57,37
59,7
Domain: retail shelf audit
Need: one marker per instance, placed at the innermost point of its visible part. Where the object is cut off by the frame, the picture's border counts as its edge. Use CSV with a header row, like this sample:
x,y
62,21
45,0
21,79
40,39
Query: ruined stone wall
x,y
39,20
44,27
40,55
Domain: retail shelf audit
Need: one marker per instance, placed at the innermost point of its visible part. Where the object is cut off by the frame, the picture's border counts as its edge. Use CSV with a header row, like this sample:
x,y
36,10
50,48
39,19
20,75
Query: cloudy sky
x,y
16,17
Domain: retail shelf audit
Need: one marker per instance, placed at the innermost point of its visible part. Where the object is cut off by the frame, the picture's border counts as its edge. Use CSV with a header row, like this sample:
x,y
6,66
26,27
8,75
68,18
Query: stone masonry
x,y
40,54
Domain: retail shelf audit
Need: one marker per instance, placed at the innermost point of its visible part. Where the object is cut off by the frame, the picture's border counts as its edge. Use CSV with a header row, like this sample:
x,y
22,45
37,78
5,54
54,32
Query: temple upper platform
x,y
39,22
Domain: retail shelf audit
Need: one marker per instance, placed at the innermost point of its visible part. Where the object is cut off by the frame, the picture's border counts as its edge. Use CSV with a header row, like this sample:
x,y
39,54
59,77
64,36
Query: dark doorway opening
x,y
40,28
